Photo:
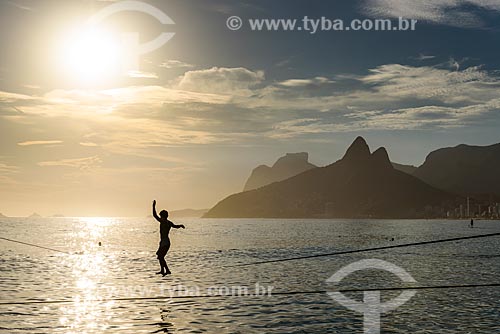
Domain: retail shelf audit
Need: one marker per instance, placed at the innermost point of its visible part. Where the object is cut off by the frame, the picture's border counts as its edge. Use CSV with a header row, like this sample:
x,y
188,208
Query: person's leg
x,y
160,255
161,267
164,267
167,271
162,252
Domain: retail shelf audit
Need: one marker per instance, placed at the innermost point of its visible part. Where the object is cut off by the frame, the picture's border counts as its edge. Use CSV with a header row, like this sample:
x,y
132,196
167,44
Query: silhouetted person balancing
x,y
165,226
471,223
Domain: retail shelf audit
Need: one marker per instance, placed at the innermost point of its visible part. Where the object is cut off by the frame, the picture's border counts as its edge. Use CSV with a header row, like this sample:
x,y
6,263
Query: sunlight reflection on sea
x,y
124,266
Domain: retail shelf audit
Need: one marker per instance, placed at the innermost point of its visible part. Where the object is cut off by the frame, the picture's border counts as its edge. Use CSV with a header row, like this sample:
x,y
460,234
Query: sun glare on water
x,y
90,55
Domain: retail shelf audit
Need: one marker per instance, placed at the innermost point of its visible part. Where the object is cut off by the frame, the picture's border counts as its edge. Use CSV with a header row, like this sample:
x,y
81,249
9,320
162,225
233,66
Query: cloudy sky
x,y
188,125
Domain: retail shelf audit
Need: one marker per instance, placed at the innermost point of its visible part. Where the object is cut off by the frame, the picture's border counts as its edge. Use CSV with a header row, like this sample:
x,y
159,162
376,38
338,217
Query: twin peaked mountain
x,y
360,185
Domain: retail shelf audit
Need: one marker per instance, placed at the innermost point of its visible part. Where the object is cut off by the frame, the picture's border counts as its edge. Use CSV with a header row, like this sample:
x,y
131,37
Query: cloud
x,y
423,57
172,63
154,95
237,105
284,63
456,13
304,126
428,82
79,163
33,87
6,97
429,117
19,6
6,174
392,96
221,80
88,144
39,142
141,74
7,169
317,81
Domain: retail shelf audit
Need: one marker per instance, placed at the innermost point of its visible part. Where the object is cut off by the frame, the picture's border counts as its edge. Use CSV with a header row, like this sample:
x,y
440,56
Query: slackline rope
x,y
315,255
43,247
284,293
368,249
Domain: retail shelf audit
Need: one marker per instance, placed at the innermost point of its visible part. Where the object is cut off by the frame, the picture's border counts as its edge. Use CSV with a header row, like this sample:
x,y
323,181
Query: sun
x,y
90,55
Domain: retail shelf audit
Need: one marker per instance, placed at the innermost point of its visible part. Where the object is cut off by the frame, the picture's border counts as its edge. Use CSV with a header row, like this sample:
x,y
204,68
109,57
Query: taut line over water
x,y
369,249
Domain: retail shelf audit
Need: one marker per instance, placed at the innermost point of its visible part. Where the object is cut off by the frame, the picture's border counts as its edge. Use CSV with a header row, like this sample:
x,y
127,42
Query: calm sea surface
x,y
97,280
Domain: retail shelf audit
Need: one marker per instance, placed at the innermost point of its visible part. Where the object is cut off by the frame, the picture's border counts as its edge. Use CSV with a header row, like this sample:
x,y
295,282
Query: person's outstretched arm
x,y
177,226
154,212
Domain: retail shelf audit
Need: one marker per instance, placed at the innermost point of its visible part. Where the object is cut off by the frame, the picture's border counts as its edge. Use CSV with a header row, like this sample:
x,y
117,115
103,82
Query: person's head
x,y
164,214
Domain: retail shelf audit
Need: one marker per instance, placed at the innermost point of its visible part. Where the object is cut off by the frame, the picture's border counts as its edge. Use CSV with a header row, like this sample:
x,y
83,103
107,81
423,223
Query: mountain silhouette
x,y
360,185
464,169
285,167
188,213
408,169
290,165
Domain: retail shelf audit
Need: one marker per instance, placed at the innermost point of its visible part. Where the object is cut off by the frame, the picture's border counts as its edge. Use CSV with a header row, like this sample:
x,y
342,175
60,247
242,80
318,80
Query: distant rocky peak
x,y
381,158
358,151
285,167
292,157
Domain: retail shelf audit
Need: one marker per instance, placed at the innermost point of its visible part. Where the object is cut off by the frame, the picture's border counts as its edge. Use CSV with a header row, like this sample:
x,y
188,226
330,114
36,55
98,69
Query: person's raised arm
x,y
154,212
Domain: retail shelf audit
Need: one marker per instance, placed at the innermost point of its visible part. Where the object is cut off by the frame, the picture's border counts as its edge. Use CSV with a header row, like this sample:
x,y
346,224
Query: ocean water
x,y
114,288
